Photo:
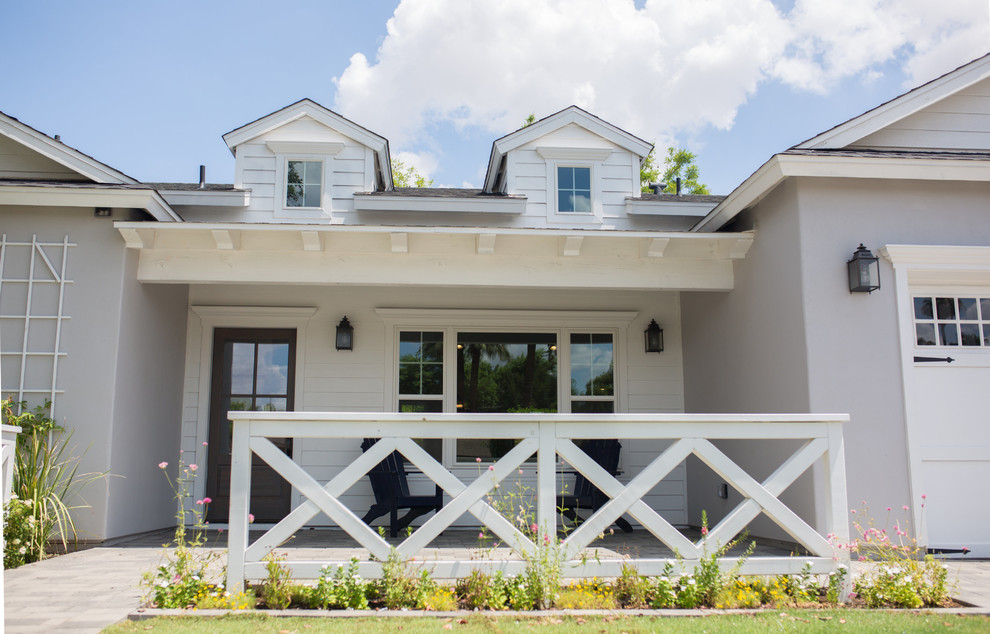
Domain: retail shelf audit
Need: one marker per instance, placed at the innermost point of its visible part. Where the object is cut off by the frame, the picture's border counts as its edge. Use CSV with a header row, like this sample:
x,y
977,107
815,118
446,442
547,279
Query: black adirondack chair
x,y
587,496
388,481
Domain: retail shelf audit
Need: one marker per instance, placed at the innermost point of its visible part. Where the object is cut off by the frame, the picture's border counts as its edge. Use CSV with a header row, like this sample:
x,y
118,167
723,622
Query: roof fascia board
x,y
203,198
900,107
440,204
296,111
782,166
640,207
388,229
61,153
147,199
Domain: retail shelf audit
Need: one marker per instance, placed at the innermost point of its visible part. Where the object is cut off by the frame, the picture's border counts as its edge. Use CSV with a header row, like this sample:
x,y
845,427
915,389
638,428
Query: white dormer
x,y
305,162
574,168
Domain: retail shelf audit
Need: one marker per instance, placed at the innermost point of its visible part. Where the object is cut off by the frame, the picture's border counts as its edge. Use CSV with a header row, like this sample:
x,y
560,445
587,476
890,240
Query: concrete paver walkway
x,y
88,590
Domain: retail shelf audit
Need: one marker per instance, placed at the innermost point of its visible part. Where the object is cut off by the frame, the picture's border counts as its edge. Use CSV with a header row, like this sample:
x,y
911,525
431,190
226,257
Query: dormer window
x,y
574,190
304,184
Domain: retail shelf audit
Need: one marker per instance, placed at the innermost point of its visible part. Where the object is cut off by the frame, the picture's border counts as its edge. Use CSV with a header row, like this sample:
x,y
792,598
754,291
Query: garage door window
x,y
952,321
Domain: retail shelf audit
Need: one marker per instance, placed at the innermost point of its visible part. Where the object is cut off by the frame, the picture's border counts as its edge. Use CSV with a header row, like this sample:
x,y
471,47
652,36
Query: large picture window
x,y
512,371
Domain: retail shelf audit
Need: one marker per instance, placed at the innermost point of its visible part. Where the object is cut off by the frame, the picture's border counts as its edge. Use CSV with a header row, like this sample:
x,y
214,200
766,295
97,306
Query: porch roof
x,y
202,253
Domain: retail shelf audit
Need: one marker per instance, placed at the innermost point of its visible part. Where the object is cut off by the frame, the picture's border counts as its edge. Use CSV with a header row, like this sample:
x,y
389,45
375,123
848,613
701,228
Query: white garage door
x,y
949,416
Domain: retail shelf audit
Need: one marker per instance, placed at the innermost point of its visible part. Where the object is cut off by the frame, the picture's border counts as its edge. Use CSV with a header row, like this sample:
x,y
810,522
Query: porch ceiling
x,y
198,253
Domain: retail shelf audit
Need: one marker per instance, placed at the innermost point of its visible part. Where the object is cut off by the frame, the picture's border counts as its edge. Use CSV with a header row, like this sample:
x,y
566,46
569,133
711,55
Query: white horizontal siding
x,y
958,122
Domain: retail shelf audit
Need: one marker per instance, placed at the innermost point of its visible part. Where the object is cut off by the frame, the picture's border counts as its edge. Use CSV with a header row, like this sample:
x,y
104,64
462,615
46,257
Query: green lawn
x,y
761,623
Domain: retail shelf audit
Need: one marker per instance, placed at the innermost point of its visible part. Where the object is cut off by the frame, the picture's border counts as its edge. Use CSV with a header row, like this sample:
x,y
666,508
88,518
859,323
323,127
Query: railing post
x,y
240,496
837,503
546,487
9,448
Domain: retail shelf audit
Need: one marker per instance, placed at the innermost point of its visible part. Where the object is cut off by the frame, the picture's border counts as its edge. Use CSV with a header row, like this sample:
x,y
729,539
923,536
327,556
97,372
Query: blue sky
x,y
149,88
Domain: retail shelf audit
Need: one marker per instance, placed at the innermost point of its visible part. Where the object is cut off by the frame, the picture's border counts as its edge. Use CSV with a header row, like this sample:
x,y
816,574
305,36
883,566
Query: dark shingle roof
x,y
10,182
866,153
210,187
437,192
683,198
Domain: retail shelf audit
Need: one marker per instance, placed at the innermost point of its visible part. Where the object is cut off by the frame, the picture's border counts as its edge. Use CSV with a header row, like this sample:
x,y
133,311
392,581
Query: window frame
x,y
982,321
450,322
591,158
323,153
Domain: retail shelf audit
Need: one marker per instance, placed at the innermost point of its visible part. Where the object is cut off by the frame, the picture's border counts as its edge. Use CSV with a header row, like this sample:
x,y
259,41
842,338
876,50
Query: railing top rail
x,y
484,419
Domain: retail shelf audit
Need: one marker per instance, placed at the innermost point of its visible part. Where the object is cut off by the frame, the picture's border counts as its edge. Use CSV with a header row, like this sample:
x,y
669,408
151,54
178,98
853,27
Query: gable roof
x,y
546,125
900,107
69,157
309,108
828,154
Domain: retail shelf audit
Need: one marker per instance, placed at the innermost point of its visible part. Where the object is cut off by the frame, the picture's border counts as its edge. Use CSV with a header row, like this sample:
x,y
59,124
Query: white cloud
x,y
669,68
424,162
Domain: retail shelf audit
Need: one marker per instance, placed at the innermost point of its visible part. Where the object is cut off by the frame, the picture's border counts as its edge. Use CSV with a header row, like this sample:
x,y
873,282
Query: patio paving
x,y
88,590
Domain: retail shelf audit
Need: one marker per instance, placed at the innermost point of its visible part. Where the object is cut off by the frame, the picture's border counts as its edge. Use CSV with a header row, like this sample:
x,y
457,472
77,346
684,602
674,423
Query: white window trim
x,y
450,322
289,151
592,158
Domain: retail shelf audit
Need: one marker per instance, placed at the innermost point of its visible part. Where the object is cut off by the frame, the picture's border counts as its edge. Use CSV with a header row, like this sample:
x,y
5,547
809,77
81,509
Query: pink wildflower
x,y
924,497
534,528
477,459
205,443
520,472
193,467
162,464
250,518
546,540
905,507
853,511
481,535
200,502
704,530
491,467
207,500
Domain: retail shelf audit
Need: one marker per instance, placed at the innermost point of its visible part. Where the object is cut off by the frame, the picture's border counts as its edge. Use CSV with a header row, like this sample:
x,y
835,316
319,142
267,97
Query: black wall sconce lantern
x,y
654,337
345,335
864,271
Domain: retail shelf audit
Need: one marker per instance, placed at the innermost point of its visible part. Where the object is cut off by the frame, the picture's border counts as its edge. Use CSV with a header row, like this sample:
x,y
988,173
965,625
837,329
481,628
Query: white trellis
x,y
35,269
549,437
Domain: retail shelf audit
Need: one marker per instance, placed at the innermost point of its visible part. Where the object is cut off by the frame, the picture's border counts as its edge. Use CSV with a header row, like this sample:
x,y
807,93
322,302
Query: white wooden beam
x,y
400,242
138,238
226,239
311,241
486,244
656,247
739,250
572,245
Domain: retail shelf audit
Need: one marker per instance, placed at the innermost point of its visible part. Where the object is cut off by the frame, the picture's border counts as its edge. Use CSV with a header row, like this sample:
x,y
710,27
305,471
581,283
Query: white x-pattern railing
x,y
549,437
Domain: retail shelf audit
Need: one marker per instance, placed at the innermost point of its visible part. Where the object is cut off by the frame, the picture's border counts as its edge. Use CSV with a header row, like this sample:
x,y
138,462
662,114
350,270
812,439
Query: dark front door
x,y
253,370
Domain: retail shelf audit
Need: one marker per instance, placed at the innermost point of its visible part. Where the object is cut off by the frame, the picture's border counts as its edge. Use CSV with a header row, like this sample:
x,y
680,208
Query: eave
x,y
207,253
821,165
79,195
640,207
481,204
205,198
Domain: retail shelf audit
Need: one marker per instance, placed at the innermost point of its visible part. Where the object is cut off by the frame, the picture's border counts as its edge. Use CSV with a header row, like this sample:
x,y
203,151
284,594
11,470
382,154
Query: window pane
x,y
967,308
582,202
273,368
986,334
294,196
947,335
970,334
582,178
265,404
566,201
420,363
592,407
945,307
313,169
295,172
241,368
565,178
985,308
591,365
926,334
410,376
432,379
312,198
923,308
421,407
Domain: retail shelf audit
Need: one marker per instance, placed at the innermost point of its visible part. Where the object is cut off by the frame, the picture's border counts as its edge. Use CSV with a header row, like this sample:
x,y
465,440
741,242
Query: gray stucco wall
x,y
111,331
147,401
791,337
744,353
